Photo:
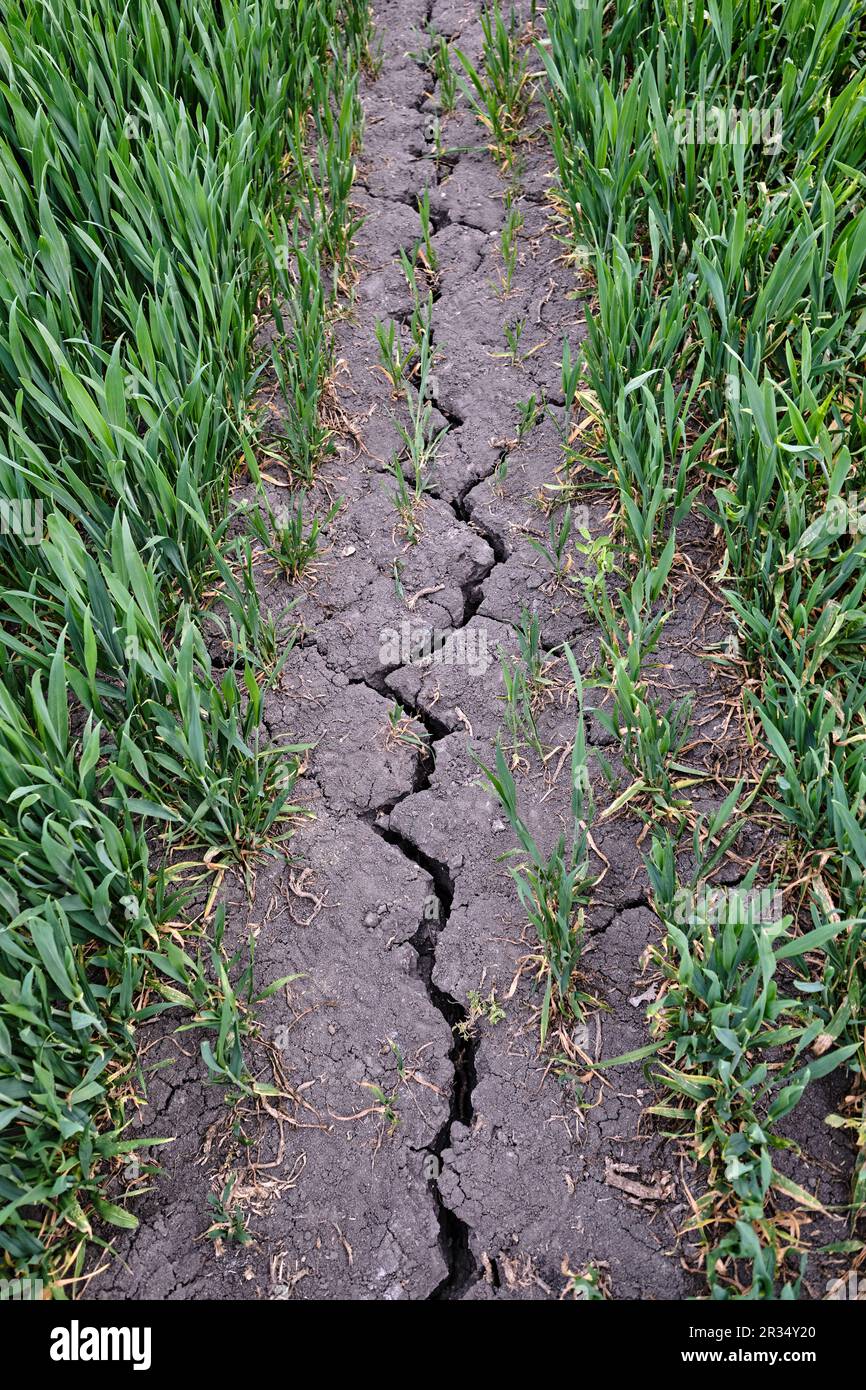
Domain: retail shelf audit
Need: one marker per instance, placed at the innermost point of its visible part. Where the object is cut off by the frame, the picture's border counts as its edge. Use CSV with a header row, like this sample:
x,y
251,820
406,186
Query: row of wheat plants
x,y
153,157
710,162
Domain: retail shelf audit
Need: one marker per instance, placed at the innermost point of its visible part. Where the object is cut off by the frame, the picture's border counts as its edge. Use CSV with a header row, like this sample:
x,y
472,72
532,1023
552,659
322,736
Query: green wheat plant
x,y
499,94
553,887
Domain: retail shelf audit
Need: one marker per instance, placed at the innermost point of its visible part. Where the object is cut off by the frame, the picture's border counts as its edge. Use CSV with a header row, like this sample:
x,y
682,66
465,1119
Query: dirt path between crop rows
x,y
471,1171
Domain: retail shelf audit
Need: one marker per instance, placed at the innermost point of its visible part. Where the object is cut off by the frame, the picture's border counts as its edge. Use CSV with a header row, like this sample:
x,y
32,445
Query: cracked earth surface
x,y
396,904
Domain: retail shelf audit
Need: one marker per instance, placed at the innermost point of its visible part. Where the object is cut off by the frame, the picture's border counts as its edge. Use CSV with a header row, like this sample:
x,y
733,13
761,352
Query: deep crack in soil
x,y
463,1267
454,1234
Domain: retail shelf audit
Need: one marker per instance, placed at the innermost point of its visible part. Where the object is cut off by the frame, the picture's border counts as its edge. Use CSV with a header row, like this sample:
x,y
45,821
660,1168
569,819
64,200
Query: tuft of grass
x,y
553,887
499,94
443,71
287,535
557,549
395,359
229,1222
508,247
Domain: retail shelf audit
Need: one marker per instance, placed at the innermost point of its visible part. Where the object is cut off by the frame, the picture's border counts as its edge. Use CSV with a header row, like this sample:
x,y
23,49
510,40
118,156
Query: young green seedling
x,y
508,244
557,550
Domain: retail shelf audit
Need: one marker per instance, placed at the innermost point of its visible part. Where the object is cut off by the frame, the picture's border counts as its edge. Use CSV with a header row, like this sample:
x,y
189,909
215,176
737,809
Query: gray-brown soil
x,y
396,905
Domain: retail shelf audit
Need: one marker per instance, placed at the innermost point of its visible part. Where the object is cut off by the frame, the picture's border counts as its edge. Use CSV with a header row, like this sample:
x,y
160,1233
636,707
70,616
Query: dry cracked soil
x,y
477,1165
